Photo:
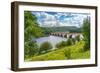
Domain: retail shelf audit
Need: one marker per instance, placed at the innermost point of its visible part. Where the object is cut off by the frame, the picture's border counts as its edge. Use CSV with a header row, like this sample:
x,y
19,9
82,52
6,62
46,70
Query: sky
x,y
51,19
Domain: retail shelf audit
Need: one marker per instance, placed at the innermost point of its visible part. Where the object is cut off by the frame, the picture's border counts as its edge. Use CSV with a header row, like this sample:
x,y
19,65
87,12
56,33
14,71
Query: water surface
x,y
52,39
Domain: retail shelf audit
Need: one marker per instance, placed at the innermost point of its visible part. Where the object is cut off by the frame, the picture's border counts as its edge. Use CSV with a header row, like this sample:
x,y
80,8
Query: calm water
x,y
52,39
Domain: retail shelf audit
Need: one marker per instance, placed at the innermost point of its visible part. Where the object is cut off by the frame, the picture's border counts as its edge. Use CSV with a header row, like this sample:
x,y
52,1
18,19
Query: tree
x,y
69,42
31,48
86,33
31,30
45,47
77,37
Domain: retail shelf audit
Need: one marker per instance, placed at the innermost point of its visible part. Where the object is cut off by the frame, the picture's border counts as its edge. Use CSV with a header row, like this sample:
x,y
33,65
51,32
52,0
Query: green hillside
x,y
71,52
62,29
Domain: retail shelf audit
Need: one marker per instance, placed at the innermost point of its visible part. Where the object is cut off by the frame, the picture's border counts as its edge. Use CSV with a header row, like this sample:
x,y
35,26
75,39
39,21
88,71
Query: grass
x,y
70,52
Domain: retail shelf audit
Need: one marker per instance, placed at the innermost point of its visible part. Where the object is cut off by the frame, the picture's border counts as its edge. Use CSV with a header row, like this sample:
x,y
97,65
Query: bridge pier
x,y
67,35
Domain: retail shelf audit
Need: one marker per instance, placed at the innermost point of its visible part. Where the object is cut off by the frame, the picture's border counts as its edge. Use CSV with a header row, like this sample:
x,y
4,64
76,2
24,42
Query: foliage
x,y
62,29
81,55
70,36
70,52
61,44
86,33
65,36
31,30
69,42
77,37
73,41
49,56
45,47
67,53
31,48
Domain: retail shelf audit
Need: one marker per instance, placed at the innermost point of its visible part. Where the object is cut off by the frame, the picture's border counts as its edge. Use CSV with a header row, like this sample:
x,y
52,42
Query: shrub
x,y
70,36
77,37
69,42
86,46
73,41
67,53
65,43
31,49
80,55
45,47
65,35
61,44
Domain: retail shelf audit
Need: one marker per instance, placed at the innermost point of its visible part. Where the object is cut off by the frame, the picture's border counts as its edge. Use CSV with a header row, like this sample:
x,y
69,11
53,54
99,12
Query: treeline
x,y
61,29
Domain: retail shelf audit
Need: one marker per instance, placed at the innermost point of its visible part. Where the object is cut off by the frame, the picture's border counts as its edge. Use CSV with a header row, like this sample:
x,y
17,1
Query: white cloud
x,y
48,20
60,19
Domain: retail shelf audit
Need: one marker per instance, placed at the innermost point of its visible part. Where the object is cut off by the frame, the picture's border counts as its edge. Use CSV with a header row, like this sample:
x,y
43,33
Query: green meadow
x,y
67,53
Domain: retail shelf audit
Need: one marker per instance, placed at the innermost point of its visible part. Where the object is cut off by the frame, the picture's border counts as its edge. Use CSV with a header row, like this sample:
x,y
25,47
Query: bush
x,y
86,46
70,36
80,55
31,49
65,35
69,42
45,47
61,44
67,53
77,37
73,41
65,43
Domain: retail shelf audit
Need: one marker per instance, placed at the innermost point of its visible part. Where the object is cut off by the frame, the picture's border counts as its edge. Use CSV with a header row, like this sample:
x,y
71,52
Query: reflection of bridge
x,y
67,34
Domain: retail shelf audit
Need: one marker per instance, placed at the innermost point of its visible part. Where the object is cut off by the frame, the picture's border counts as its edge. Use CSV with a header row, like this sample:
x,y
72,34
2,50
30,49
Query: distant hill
x,y
62,29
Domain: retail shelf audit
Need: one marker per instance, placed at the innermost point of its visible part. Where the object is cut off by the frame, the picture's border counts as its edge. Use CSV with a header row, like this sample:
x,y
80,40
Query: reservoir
x,y
52,39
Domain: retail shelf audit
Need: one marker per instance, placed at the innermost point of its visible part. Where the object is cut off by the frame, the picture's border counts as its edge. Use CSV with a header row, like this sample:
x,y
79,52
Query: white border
x,y
23,64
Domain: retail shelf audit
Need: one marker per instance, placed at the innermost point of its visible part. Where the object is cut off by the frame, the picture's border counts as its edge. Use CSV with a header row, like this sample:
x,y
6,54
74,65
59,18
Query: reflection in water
x,y
52,39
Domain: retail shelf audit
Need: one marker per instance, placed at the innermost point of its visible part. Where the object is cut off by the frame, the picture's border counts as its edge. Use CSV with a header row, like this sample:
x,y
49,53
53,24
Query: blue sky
x,y
51,19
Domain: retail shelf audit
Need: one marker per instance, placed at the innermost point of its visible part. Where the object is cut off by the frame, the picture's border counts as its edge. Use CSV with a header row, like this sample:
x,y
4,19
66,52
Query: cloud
x,y
47,19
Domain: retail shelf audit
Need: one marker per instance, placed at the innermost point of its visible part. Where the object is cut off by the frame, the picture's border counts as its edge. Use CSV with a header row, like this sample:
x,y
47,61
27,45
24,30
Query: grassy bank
x,y
71,52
